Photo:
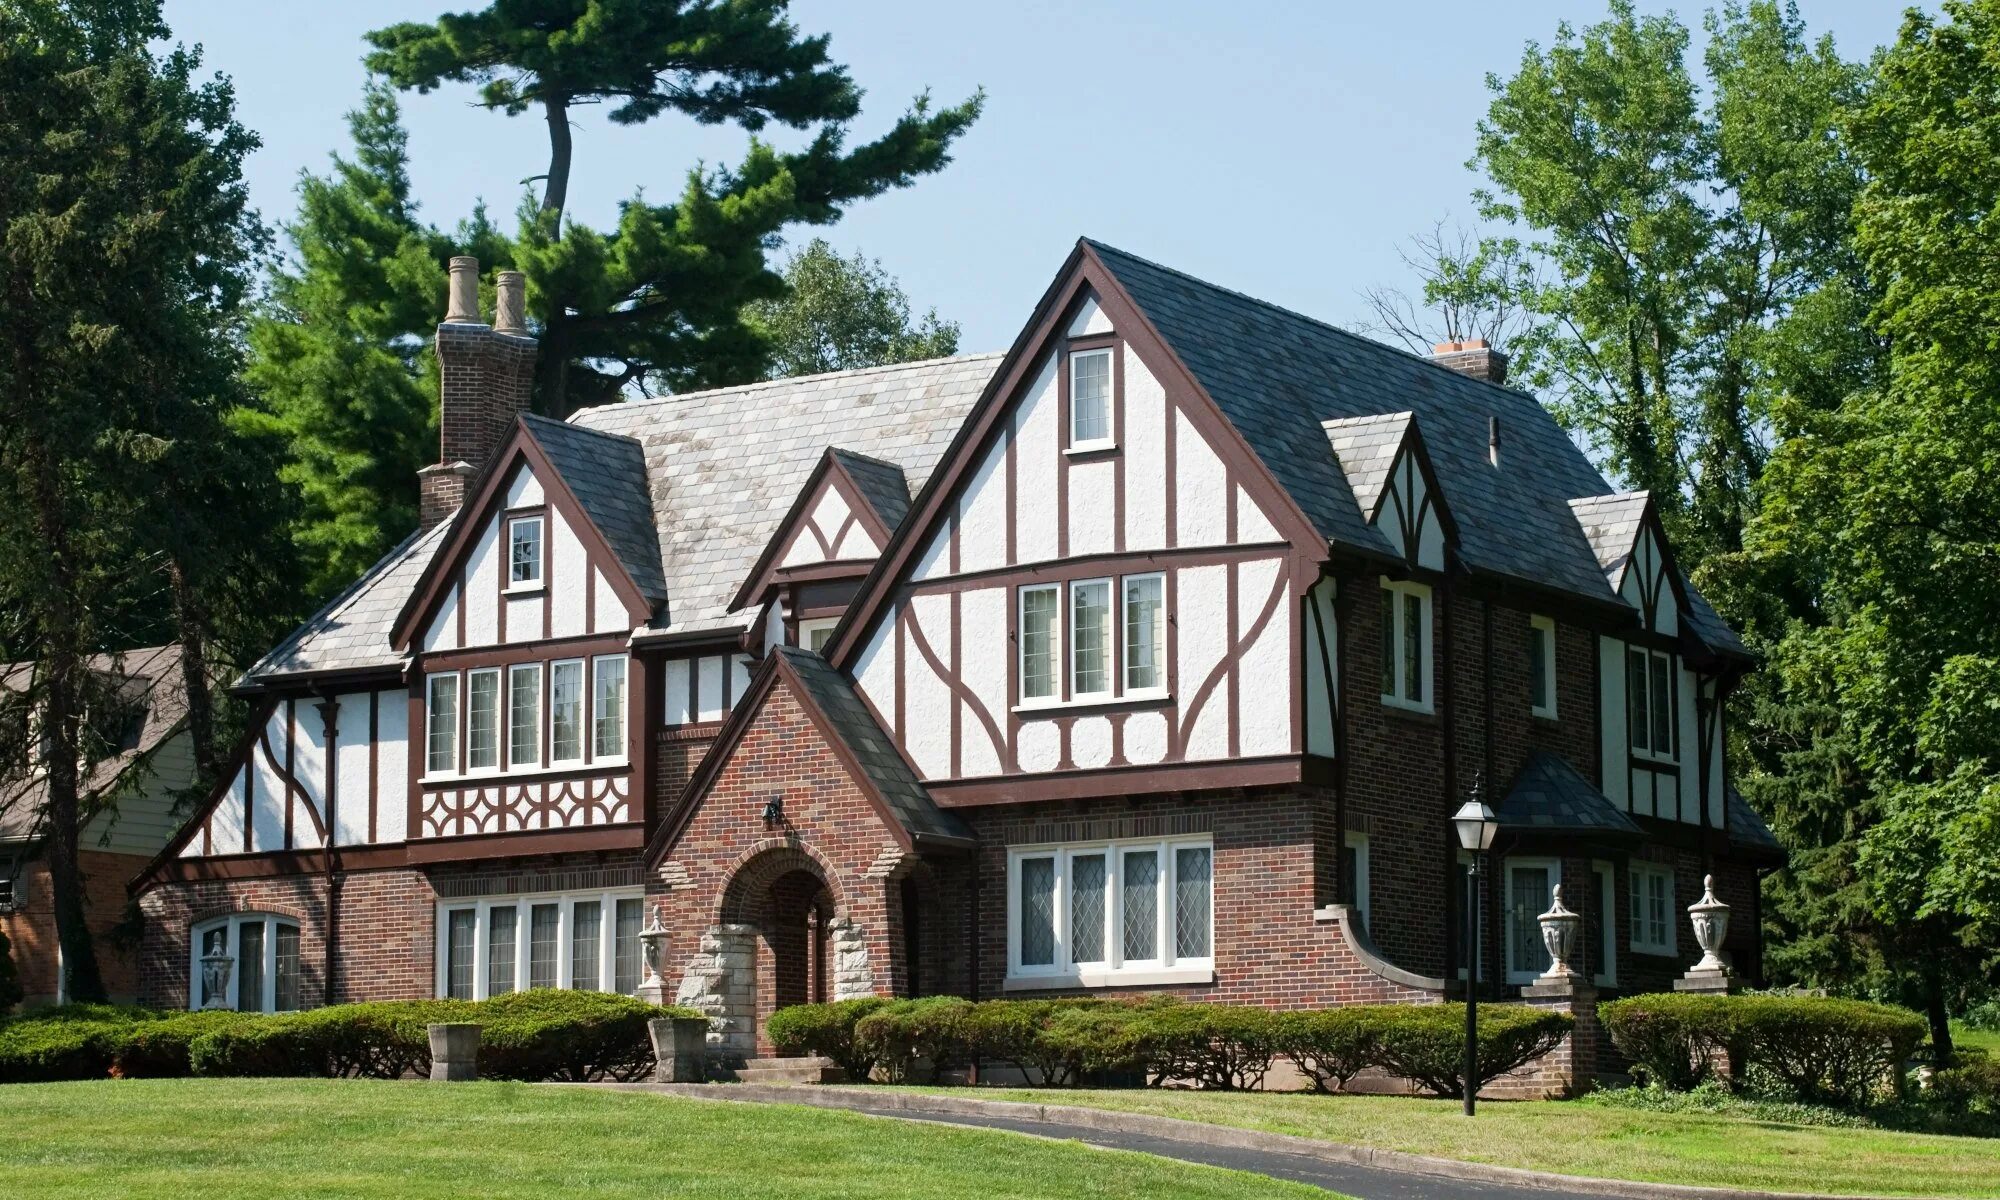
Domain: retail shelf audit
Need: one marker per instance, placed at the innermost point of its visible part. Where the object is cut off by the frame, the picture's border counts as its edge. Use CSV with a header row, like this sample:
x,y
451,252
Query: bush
x,y
1332,1046
900,1034
1222,1046
384,1039
1673,1040
826,1029
160,1049
570,1037
1971,1085
1018,1031
1425,1044
74,1041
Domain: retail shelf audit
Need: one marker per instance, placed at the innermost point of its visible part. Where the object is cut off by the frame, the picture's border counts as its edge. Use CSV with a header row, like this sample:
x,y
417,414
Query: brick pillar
x,y
441,489
1570,1068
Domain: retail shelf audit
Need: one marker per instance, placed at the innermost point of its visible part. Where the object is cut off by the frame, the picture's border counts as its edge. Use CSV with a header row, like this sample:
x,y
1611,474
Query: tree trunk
x,y
555,189
191,628
1942,1051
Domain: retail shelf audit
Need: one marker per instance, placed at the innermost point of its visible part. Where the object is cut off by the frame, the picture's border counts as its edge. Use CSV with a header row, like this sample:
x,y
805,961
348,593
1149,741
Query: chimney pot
x,y
1475,357
510,311
464,306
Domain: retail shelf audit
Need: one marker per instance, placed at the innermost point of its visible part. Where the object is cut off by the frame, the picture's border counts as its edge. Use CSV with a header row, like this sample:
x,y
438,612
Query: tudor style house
x,y
1152,654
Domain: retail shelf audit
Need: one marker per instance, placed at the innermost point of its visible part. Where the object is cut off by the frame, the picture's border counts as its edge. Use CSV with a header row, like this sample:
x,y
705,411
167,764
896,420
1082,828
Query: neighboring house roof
x,y
607,475
351,633
725,466
830,692
1549,796
1746,830
882,484
1366,448
150,677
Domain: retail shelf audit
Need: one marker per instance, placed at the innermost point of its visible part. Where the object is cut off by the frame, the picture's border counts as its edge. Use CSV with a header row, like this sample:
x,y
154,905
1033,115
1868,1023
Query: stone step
x,y
790,1070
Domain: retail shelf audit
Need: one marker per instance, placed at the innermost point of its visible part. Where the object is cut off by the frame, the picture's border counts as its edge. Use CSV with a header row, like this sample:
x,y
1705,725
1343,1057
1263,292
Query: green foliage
x,y
898,1035
1971,1085
841,313
1425,1043
1330,1046
379,1040
1672,1040
10,978
75,1041
1017,1031
571,1037
1712,1098
826,1030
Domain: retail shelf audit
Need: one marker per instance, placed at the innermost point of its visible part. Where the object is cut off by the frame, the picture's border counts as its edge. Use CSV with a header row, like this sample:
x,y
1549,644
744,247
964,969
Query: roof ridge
x,y
739,388
1306,317
867,458
571,423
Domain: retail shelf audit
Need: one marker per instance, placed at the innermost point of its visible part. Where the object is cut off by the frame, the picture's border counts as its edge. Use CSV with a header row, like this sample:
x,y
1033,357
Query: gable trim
x,y
197,821
766,572
1416,454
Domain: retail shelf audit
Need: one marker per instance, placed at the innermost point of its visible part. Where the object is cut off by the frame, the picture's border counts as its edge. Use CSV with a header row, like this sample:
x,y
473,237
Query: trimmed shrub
x,y
828,1030
1826,1051
1332,1046
902,1033
1425,1044
569,1037
1674,1041
1222,1046
74,1041
160,1049
1017,1031
1972,1084
1097,1039
383,1039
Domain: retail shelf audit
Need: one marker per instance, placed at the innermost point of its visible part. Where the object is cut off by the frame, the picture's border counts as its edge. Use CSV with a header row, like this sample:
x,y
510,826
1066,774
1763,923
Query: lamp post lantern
x,y
1476,826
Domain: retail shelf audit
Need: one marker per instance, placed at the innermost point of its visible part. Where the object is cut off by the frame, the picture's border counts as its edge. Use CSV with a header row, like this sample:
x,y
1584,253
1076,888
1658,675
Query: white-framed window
x,y
816,632
441,723
11,897
1530,889
1041,641
1406,644
1354,872
264,953
1649,703
1651,906
524,552
1133,912
566,711
1090,639
1603,948
607,708
1090,399
524,715
1145,605
482,719
585,941
1542,666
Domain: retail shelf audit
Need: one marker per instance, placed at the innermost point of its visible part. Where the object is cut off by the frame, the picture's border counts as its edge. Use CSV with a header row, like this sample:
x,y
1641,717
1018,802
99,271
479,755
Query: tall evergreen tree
x,y
658,303
125,247
840,313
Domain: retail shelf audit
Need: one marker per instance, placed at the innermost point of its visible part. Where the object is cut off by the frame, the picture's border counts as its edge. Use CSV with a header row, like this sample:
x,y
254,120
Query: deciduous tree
x,y
840,313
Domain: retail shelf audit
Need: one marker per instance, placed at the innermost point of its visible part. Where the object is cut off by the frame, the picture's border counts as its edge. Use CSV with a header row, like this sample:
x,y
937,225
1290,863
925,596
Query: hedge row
x,y
537,1035
1062,1043
1825,1051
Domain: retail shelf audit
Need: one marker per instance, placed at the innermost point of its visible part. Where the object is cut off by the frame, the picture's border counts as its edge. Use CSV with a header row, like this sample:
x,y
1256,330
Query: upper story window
x,y
482,719
1090,399
536,718
1652,908
1115,634
262,972
524,552
1125,912
1406,644
1542,666
441,724
1649,703
524,715
566,711
816,632
608,708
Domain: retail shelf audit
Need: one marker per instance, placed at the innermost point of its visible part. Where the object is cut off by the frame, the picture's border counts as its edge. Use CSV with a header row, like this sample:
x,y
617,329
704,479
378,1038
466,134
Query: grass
x,y
224,1139
1984,1039
1587,1139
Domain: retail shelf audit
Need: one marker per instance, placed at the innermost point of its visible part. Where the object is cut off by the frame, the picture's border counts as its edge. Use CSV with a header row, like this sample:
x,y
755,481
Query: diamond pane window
x,y
1191,901
1038,912
1141,903
1086,908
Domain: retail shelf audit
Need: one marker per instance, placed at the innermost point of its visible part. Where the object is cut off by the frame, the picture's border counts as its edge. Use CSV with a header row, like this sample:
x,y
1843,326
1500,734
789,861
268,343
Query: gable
x,y
1385,462
843,517
1648,583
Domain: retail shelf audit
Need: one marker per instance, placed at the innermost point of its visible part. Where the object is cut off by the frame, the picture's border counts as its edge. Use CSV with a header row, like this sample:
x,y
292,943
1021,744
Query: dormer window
x,y
1090,399
1650,703
524,552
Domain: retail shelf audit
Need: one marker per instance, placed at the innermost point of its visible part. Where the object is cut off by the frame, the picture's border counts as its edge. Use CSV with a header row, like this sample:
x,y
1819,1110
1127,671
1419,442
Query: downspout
x,y
329,712
1343,611
1447,713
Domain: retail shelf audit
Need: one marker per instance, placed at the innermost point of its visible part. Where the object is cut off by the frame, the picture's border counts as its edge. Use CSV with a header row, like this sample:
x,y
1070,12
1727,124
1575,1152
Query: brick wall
x,y
31,928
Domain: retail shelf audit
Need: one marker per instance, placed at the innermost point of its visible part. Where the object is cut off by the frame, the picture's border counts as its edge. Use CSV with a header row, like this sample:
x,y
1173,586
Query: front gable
x,y
834,529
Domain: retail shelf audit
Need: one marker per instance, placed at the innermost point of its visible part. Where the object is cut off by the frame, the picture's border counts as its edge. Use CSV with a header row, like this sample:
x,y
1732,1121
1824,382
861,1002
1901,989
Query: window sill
x,y
1041,708
1107,979
484,778
1406,710
1540,714
1090,449
524,589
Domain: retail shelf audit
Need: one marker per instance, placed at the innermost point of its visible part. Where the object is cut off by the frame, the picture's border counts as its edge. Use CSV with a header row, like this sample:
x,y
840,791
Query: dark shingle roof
x,y
1746,829
351,632
1549,796
607,474
829,691
150,679
882,484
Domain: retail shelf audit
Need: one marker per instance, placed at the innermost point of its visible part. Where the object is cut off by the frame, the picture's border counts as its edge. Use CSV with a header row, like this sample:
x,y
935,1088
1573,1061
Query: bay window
x,y
1089,399
1649,703
1115,634
524,715
569,713
1652,908
492,945
1406,645
441,724
263,974
608,709
1136,912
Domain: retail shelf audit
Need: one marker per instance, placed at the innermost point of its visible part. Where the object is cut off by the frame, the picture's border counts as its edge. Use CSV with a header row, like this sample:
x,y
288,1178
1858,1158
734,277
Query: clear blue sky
x,y
1282,149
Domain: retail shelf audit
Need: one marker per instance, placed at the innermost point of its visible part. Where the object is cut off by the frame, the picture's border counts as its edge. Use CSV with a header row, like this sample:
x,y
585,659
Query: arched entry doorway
x,y
792,942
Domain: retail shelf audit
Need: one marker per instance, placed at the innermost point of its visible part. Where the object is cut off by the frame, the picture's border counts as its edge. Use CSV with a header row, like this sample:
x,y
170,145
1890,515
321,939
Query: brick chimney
x,y
1474,357
486,377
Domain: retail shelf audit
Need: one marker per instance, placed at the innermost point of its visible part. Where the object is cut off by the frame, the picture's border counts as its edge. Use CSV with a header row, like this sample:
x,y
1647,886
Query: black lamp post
x,y
1476,826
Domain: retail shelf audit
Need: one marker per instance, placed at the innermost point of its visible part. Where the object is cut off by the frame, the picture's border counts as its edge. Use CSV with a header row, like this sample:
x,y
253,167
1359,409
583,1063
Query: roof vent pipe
x,y
1493,440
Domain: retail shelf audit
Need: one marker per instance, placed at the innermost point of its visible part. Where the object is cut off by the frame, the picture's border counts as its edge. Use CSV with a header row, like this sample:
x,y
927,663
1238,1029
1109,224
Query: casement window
x,y
524,553
1406,645
566,711
1651,905
1650,693
1092,640
1542,666
1530,889
1601,926
524,715
584,941
441,724
1090,399
263,974
607,711
1354,873
482,720
1104,913
816,632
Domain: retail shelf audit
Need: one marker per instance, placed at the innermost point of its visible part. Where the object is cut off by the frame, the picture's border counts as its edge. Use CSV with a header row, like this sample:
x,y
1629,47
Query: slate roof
x,y
725,466
829,691
1366,449
1549,796
607,474
882,484
152,677
352,631
1611,525
1746,829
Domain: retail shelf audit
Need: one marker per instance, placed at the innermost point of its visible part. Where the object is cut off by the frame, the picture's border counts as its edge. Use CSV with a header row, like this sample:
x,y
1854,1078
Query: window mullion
x,y
1114,907
1169,919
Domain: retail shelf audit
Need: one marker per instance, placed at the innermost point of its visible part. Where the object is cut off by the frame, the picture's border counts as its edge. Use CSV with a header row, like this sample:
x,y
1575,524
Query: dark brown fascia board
x,y
688,639
1121,781
442,570
525,843
756,582
270,864
317,682
238,755
1081,272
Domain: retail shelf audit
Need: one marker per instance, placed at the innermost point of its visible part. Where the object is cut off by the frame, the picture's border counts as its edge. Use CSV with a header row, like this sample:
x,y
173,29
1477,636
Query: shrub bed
x,y
826,1029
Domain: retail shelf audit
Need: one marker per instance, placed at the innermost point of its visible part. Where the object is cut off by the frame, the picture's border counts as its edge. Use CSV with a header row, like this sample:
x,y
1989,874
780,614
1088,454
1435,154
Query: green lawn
x,y
216,1139
1584,1139
1985,1039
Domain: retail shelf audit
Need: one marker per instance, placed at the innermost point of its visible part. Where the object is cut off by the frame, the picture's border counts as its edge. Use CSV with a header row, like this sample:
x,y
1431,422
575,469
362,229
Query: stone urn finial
x,y
652,939
216,967
1710,918
1560,927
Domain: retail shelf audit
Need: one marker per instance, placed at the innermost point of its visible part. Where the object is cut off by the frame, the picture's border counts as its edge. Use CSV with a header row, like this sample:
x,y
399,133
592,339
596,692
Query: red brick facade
x,y
31,926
